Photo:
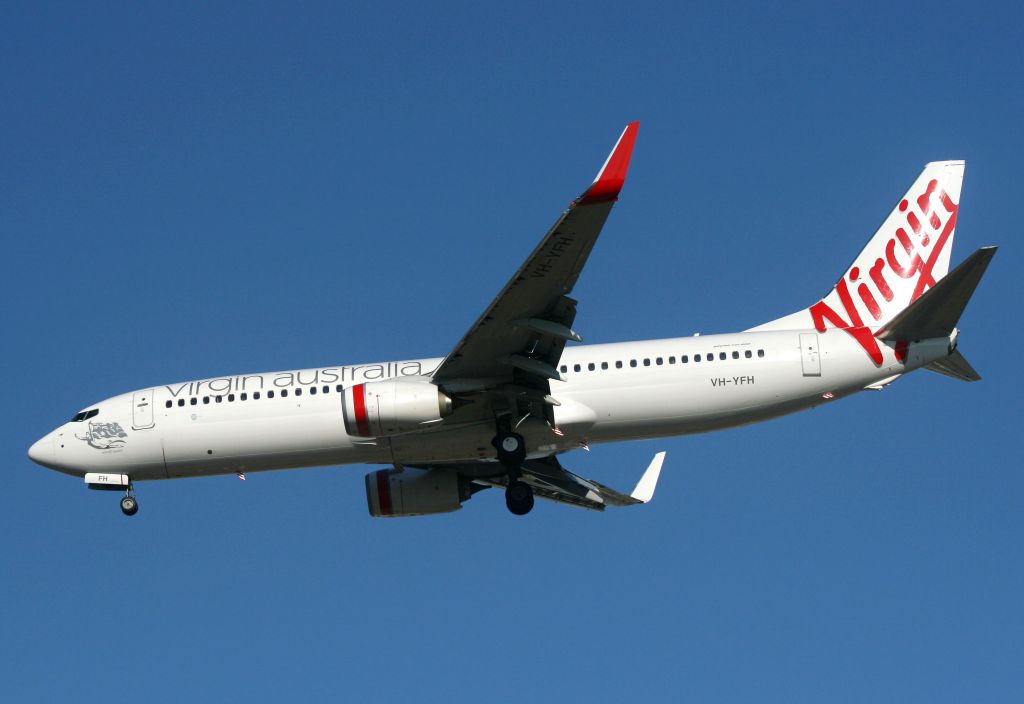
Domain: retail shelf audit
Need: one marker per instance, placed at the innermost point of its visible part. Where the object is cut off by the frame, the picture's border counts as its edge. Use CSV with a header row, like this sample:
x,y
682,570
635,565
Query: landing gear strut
x,y
129,506
511,450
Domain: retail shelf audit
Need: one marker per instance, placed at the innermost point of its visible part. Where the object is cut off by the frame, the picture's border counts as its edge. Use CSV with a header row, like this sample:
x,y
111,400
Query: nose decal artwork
x,y
104,436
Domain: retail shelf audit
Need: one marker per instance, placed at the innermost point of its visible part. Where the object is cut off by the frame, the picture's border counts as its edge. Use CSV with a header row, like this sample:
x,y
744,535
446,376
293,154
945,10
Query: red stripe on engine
x,y
384,492
359,410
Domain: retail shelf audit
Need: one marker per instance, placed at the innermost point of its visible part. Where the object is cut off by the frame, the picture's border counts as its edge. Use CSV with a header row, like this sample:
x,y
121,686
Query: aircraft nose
x,y
42,452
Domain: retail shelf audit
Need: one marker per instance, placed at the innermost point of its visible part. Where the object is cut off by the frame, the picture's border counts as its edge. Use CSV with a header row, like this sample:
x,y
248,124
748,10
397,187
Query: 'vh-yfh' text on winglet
x,y
612,175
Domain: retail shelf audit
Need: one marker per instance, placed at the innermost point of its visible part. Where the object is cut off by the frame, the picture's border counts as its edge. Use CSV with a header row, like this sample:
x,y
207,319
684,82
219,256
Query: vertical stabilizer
x,y
906,256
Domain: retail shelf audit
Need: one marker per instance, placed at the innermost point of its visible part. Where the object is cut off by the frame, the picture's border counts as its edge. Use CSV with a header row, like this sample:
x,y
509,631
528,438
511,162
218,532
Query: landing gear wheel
x,y
129,506
519,498
511,449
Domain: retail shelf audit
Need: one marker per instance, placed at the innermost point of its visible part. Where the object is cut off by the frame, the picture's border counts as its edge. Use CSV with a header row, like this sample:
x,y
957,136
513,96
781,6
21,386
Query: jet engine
x,y
393,406
413,492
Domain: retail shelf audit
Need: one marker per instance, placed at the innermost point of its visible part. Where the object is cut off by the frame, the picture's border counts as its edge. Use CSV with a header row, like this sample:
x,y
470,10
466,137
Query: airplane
x,y
513,394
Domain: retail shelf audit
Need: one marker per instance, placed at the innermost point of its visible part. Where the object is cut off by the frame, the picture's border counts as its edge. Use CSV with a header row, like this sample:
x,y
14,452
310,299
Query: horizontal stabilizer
x,y
936,312
955,366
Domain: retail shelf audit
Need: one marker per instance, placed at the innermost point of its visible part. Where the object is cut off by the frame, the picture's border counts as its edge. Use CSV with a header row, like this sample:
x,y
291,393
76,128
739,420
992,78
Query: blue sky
x,y
211,188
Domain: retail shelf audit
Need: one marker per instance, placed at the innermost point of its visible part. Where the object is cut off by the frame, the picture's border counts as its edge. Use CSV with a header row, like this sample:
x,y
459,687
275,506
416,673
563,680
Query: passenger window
x,y
647,361
284,392
298,392
181,402
326,389
604,365
339,388
244,396
576,367
591,366
206,399
231,397
684,359
618,364
167,405
709,357
312,390
255,395
735,354
696,358
671,360
193,401
564,368
659,361
760,353
270,394
632,362
748,354
218,399
721,355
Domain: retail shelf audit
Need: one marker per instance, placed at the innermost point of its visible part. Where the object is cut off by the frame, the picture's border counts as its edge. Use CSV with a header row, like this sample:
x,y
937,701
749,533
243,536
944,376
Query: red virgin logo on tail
x,y
908,261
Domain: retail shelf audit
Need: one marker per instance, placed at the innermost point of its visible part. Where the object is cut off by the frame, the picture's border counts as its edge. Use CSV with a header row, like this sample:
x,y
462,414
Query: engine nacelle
x,y
413,492
393,406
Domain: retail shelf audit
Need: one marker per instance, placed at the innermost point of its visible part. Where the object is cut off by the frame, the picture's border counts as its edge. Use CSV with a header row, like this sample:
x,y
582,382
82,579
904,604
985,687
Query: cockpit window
x,y
85,415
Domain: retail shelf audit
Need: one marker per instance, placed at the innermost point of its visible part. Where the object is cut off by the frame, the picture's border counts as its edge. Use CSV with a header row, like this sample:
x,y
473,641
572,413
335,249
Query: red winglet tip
x,y
612,176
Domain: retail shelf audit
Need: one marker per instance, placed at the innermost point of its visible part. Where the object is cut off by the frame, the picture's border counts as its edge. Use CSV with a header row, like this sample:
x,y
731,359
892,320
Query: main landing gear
x,y
129,506
511,450
519,497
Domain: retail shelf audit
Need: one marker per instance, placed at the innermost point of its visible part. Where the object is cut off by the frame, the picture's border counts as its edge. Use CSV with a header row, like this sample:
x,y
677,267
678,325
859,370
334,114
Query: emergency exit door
x,y
810,360
142,409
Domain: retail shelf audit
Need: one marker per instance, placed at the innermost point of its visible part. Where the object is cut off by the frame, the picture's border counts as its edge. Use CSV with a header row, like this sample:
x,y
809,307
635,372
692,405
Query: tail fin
x,y
906,256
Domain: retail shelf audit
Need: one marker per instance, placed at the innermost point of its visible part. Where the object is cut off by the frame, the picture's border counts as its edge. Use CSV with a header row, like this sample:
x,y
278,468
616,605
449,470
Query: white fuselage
x,y
618,391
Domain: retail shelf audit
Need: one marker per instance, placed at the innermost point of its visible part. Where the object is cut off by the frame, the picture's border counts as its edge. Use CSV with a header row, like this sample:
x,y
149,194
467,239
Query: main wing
x,y
520,337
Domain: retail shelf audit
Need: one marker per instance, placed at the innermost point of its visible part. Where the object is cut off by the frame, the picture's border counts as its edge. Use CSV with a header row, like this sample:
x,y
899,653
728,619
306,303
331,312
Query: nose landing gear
x,y
115,482
129,506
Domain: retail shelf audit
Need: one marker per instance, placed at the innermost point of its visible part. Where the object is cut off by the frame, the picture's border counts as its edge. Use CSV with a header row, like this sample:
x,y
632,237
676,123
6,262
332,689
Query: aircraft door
x,y
142,409
810,359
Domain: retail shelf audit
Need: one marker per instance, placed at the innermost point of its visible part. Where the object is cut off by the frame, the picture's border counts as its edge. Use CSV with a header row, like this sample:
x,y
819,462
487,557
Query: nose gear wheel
x,y
129,506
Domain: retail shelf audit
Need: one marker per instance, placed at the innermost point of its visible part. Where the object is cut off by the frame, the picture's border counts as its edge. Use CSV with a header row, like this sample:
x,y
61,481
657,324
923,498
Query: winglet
x,y
612,175
644,490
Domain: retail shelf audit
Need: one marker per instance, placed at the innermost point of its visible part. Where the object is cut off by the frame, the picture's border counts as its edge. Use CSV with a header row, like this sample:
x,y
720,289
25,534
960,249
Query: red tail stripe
x,y
926,269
